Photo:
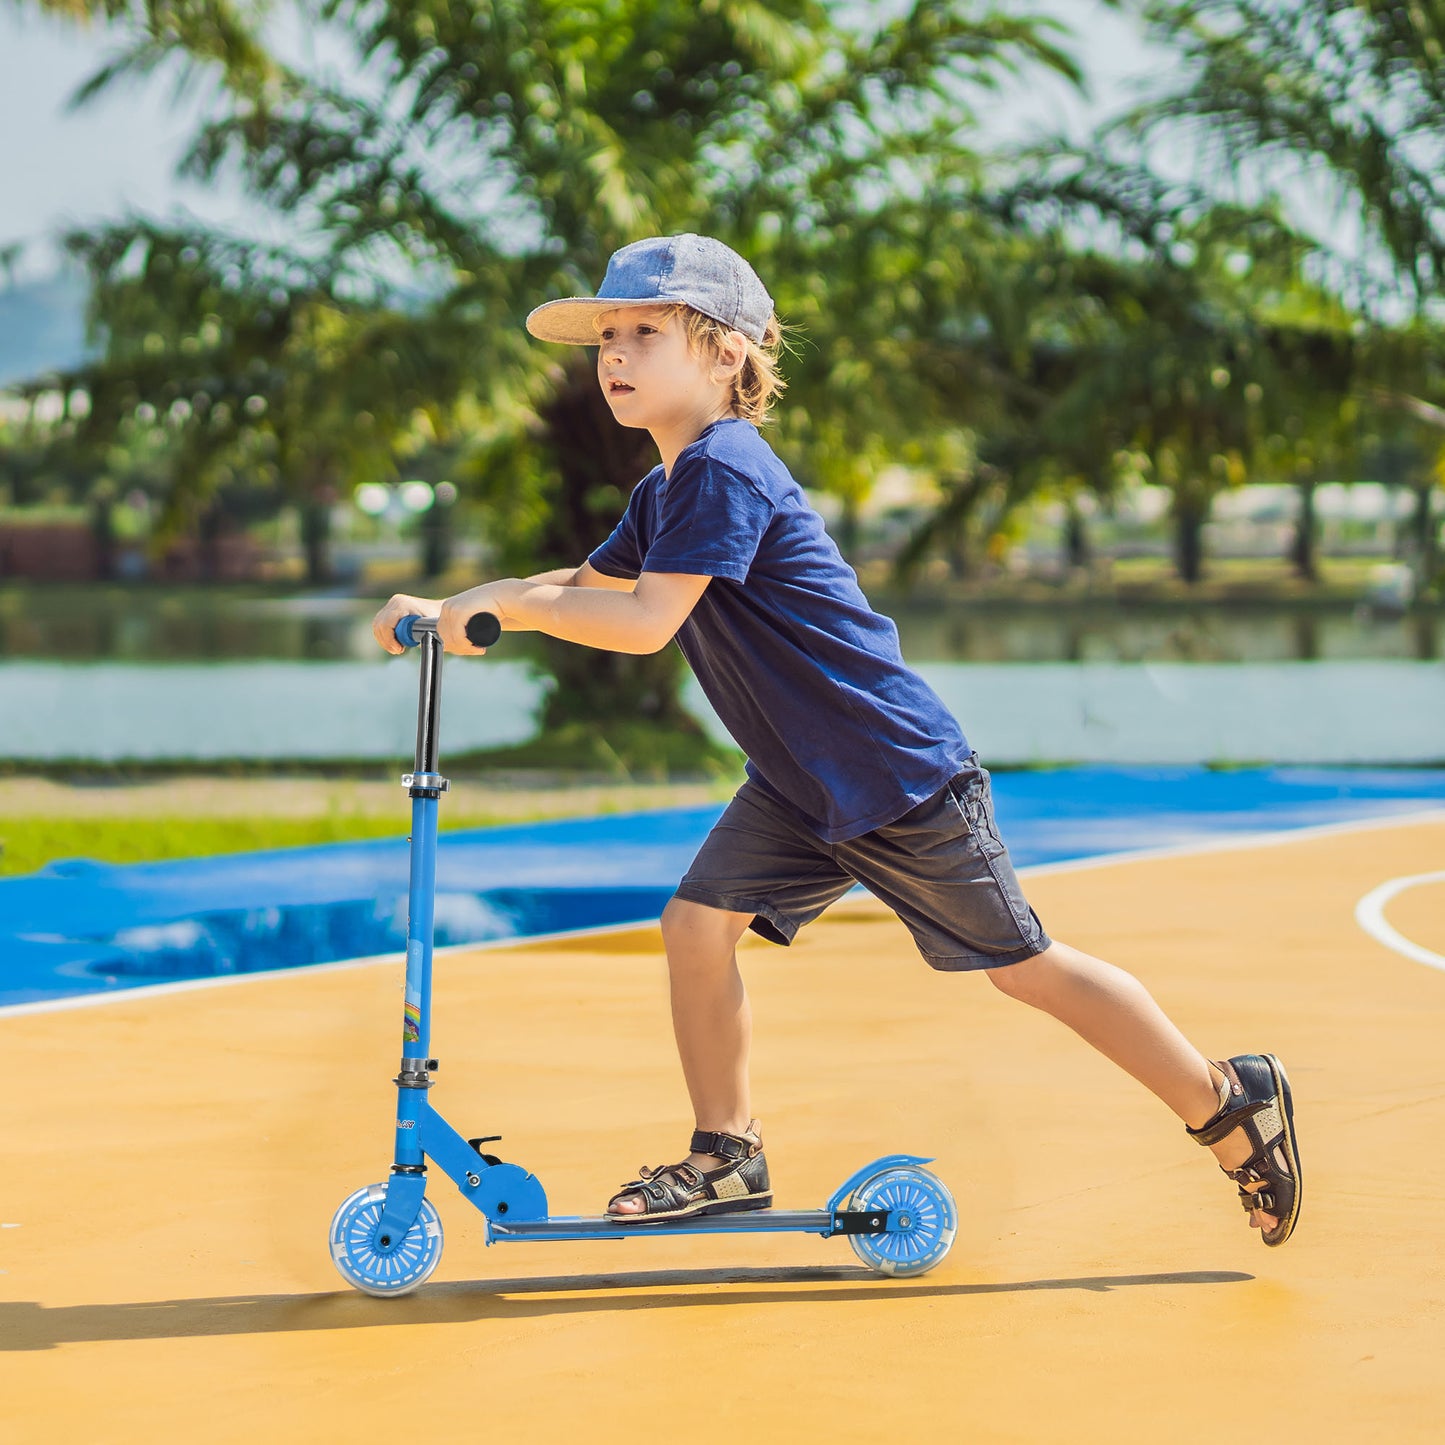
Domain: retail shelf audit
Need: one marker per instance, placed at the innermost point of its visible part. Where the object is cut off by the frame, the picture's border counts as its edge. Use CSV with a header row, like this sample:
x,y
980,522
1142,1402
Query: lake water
x,y
154,678
137,626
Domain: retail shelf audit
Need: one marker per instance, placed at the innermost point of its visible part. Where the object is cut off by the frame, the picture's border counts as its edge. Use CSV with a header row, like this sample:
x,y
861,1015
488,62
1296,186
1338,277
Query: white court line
x,y
1370,915
1227,844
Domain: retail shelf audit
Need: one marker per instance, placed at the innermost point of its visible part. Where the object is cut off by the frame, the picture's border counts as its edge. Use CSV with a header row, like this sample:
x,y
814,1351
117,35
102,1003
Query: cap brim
x,y
571,321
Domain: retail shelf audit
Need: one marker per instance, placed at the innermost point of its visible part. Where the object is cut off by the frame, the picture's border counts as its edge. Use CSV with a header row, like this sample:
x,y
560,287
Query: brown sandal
x,y
1256,1098
683,1191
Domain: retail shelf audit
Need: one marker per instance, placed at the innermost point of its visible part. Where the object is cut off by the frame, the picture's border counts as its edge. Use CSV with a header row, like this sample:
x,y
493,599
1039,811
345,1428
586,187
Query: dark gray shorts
x,y
942,868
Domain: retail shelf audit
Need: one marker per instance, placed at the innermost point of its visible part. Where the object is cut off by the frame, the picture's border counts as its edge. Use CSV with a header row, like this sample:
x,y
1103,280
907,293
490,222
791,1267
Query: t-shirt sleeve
x,y
710,523
621,554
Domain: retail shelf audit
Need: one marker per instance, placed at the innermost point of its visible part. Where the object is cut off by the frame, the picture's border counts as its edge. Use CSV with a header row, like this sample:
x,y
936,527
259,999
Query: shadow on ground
x,y
26,1325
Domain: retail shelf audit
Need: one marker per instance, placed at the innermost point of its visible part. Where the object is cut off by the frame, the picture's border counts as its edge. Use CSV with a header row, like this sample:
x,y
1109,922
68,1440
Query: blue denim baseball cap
x,y
685,270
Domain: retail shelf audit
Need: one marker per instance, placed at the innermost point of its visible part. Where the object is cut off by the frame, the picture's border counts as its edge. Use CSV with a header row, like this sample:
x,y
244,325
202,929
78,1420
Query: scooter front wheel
x,y
924,1215
383,1272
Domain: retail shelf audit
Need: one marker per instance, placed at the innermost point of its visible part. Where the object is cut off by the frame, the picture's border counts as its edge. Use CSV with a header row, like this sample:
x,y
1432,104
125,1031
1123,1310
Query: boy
x,y
856,771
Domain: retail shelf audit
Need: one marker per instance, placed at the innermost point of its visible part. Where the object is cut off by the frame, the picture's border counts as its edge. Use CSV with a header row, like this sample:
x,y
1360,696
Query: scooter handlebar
x,y
483,629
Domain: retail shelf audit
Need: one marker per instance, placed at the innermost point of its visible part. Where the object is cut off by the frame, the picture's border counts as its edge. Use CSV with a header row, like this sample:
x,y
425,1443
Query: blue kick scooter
x,y
386,1239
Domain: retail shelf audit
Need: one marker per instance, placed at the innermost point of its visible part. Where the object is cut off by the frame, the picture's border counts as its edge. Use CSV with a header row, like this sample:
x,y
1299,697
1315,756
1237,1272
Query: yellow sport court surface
x,y
172,1162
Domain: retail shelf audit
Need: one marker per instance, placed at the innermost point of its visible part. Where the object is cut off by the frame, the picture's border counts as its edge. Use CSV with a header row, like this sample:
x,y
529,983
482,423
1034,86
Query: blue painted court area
x,y
80,928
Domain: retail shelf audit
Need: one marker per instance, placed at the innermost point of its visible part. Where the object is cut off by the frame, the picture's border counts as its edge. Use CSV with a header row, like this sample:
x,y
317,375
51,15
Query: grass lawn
x,y
30,843
42,820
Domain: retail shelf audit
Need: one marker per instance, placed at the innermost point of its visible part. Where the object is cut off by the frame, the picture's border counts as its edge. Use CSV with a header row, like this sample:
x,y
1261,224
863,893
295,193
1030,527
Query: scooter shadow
x,y
26,1325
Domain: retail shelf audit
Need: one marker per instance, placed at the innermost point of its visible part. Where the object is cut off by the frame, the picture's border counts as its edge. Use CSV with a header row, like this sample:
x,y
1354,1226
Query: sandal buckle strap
x,y
730,1147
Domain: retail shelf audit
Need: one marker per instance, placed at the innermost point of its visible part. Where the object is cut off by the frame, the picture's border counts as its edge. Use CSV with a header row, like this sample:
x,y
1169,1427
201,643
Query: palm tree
x,y
1339,105
241,362
1346,97
1144,325
486,154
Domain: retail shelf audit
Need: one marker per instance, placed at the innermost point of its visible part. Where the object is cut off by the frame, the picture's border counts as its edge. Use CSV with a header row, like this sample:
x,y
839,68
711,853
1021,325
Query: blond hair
x,y
758,383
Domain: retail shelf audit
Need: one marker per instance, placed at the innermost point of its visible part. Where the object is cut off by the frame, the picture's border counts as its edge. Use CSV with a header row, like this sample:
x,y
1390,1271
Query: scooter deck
x,y
836,1218
753,1221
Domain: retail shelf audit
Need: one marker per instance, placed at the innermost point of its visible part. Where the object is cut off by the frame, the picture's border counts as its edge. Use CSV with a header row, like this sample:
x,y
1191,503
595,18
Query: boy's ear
x,y
732,352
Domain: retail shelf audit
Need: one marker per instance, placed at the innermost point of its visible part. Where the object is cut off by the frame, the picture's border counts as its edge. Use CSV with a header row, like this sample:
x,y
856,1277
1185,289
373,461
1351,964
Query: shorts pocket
x,y
974,799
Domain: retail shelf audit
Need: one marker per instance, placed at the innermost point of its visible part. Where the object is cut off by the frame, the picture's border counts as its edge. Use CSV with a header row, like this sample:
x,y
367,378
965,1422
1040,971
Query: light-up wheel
x,y
923,1218
375,1268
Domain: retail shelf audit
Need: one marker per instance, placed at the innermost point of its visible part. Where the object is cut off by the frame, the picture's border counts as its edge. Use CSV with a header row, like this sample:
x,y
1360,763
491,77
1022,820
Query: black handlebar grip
x,y
483,629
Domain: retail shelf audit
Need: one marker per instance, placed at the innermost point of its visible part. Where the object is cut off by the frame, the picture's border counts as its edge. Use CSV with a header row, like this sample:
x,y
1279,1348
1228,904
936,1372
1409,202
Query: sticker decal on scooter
x,y
411,1021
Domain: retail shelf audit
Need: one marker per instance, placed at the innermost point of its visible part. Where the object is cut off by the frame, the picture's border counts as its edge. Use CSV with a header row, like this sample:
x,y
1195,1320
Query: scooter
x,y
386,1239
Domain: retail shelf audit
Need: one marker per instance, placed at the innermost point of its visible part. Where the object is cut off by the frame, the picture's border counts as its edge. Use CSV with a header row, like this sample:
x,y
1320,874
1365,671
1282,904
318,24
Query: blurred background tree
x,y
1339,105
1179,339
452,165
1065,321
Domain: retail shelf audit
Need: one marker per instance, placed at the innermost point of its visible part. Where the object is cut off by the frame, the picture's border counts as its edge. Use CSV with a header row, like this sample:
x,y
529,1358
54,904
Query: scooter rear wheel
x,y
383,1272
924,1212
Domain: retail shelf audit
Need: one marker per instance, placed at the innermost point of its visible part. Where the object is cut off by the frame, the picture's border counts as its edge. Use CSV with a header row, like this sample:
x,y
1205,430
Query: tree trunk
x,y
436,540
1303,549
316,536
947,530
598,463
1426,536
102,528
209,525
958,557
1191,512
1401,530
1077,551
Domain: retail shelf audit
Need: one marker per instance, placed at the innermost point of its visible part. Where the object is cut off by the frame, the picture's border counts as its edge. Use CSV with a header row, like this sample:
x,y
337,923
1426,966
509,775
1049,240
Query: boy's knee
x,y
1006,979
1027,980
696,930
682,920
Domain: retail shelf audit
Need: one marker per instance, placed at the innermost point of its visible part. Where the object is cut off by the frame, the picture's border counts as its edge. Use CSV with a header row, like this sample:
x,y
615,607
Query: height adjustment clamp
x,y
425,785
416,1073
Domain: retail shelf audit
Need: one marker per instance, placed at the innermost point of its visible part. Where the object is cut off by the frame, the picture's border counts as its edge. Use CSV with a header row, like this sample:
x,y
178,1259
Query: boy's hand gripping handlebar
x,y
483,629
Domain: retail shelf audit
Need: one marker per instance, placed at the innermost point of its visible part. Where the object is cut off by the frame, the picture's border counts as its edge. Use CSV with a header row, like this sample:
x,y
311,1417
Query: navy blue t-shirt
x,y
804,674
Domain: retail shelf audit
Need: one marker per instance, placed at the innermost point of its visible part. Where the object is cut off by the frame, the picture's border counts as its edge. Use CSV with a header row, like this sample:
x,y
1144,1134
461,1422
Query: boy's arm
x,y
584,576
613,614
383,625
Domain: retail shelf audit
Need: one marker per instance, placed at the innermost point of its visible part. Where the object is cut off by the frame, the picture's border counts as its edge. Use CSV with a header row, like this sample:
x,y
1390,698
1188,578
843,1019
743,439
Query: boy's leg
x,y
758,867
1114,1012
945,871
710,1019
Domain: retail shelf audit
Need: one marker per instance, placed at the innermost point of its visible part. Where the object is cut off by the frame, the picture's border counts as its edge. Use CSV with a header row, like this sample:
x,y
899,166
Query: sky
x,y
60,169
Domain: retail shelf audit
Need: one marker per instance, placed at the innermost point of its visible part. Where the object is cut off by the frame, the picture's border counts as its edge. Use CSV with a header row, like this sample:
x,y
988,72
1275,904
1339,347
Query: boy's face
x,y
649,374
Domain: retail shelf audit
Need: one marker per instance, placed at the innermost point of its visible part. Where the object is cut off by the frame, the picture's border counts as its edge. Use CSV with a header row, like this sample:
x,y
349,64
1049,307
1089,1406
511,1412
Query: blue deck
x,y
84,928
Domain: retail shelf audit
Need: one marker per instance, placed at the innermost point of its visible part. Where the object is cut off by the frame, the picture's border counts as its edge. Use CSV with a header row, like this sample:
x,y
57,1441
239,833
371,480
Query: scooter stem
x,y
425,786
